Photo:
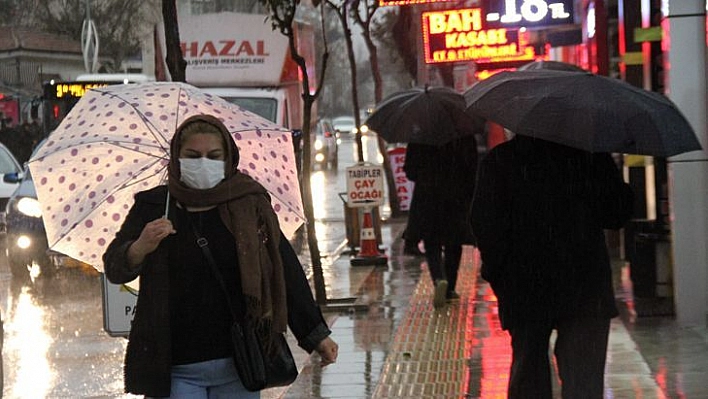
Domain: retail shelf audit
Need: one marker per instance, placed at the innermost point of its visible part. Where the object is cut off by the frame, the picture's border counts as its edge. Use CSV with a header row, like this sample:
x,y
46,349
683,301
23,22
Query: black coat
x,y
538,216
148,356
444,184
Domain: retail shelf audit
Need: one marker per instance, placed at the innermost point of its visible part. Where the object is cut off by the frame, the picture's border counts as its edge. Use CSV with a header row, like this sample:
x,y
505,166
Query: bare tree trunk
x,y
355,91
308,101
365,24
160,73
317,272
342,11
378,94
284,21
175,61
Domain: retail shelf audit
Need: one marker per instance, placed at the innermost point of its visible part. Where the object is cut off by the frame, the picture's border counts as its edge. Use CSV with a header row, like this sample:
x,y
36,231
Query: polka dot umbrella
x,y
115,142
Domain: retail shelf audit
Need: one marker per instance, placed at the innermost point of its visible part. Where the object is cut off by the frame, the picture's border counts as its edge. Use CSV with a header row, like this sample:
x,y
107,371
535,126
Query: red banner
x,y
404,187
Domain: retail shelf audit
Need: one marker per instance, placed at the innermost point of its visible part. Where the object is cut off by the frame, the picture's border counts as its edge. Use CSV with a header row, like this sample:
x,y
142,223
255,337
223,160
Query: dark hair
x,y
199,126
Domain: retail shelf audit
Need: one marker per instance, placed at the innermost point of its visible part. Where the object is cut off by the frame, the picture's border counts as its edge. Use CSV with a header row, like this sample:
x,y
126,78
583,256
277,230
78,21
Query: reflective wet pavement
x,y
399,346
393,344
54,343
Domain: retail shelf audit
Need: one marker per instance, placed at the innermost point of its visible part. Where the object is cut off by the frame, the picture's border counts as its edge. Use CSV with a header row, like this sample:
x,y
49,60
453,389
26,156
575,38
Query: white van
x,y
270,103
115,77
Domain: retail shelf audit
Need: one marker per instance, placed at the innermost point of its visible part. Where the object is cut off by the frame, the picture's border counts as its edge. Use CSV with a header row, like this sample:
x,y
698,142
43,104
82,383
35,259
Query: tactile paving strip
x,y
430,352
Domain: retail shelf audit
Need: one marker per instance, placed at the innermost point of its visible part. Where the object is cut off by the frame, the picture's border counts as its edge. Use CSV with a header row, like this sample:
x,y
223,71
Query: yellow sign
x,y
75,89
652,34
633,58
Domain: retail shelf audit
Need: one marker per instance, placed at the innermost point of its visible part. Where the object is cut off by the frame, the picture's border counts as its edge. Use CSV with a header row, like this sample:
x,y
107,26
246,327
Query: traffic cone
x,y
368,250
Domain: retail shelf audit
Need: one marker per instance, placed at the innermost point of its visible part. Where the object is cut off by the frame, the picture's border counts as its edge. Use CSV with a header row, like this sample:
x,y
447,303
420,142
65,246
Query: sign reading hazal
x,y
364,185
227,47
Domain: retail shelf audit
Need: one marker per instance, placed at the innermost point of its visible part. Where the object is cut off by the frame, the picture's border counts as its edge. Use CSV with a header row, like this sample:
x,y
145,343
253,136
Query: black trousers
x,y
580,352
443,266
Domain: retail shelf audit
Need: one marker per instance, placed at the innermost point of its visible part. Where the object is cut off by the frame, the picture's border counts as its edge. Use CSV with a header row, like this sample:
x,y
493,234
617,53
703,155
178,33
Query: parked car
x,y
344,124
8,166
325,145
27,246
26,239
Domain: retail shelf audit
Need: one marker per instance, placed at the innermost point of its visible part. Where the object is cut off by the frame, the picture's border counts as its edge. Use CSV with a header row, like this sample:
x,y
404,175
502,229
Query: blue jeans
x,y
212,379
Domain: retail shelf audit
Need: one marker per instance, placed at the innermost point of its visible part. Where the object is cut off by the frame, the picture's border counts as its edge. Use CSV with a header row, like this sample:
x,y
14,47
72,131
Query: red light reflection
x,y
489,348
496,359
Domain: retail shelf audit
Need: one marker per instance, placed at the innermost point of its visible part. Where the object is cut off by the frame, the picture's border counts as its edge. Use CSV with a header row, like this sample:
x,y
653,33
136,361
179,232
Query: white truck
x,y
240,58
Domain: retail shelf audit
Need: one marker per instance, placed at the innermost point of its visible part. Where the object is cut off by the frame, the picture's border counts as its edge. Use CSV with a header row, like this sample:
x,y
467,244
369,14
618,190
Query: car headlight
x,y
23,241
30,207
364,128
318,144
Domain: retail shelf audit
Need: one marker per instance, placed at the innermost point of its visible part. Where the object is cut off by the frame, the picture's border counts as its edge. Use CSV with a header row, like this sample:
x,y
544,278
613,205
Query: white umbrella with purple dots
x,y
115,142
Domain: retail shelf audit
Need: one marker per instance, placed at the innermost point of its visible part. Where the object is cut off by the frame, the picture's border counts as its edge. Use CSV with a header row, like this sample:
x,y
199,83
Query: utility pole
x,y
89,42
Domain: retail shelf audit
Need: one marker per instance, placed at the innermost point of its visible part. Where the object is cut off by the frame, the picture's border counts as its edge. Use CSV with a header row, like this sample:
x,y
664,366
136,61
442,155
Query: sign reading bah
x,y
527,13
513,13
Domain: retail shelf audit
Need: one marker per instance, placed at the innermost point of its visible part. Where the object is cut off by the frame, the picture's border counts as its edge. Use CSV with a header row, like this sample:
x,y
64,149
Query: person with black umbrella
x,y
441,158
538,215
439,214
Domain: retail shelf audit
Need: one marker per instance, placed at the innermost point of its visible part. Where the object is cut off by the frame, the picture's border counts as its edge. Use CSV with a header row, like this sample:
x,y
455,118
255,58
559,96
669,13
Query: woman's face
x,y
203,145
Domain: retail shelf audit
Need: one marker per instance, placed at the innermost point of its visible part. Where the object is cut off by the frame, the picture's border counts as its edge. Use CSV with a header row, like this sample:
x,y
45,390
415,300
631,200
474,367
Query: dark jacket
x,y
444,184
148,356
538,216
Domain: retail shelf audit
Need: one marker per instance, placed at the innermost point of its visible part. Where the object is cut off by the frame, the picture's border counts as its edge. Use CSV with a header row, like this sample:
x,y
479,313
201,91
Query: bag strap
x,y
203,244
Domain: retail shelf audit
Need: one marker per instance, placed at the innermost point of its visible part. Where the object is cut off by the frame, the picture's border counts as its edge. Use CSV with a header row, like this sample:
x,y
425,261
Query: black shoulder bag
x,y
257,367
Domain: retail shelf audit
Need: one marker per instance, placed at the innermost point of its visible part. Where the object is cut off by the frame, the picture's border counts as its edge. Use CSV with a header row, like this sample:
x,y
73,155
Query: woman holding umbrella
x,y
180,343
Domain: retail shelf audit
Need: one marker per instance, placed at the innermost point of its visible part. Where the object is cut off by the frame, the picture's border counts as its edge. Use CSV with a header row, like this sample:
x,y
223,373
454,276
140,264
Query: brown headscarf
x,y
244,206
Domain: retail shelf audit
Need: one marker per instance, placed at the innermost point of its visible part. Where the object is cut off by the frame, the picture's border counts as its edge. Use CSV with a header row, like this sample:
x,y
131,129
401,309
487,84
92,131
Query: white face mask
x,y
201,173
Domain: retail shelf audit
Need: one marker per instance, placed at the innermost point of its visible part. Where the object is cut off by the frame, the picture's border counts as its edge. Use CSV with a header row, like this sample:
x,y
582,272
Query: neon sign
x,y
384,3
461,35
72,89
528,13
513,13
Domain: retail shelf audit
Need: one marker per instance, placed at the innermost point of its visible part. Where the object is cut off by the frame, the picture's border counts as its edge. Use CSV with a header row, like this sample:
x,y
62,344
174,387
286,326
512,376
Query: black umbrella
x,y
583,110
553,65
424,115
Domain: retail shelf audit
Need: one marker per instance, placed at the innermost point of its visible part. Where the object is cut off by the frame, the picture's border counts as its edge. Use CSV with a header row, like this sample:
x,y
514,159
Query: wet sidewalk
x,y
396,345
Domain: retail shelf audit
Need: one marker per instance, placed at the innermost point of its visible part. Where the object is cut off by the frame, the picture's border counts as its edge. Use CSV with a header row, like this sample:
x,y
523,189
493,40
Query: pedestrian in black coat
x,y
180,338
538,216
440,208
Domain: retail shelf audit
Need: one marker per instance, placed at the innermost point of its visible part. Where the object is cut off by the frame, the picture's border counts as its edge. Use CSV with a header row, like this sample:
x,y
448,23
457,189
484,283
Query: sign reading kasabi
x,y
364,185
460,35
404,187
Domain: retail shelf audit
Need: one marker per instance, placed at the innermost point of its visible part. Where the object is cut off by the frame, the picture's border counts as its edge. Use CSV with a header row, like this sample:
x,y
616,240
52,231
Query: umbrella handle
x,y
167,205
